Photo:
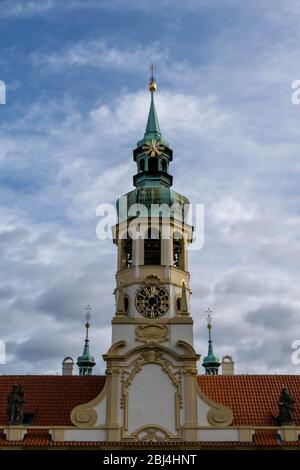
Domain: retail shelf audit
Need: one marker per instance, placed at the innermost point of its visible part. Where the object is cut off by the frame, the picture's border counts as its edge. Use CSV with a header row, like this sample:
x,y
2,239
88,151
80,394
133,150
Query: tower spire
x,y
152,122
86,362
153,153
211,362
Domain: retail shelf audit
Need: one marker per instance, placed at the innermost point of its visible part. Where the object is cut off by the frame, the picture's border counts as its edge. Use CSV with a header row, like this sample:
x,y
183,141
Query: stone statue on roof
x,y
15,404
286,405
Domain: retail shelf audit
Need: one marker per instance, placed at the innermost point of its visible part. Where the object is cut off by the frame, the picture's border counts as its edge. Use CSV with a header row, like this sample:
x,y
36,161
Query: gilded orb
x,y
152,86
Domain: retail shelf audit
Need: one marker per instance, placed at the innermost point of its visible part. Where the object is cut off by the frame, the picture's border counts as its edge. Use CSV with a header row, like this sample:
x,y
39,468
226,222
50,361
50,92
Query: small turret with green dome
x,y
86,362
211,362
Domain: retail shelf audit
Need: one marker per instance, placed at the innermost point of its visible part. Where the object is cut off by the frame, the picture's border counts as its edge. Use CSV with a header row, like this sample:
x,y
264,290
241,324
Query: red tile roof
x,y
252,398
44,442
50,398
266,438
33,438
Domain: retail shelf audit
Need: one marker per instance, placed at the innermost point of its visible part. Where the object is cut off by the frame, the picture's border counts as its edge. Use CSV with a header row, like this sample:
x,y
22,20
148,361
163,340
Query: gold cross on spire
x,y
88,314
209,317
152,70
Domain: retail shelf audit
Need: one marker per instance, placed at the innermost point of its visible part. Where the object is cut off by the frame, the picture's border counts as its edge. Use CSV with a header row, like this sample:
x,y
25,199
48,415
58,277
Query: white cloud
x,y
235,137
231,211
98,53
17,8
56,268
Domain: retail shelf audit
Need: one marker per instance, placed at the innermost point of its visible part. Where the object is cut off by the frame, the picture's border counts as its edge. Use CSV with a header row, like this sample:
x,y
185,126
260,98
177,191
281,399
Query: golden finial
x,y
152,83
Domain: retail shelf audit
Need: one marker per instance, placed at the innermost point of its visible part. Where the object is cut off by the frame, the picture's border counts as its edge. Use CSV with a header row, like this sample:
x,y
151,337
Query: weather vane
x,y
209,317
88,314
152,70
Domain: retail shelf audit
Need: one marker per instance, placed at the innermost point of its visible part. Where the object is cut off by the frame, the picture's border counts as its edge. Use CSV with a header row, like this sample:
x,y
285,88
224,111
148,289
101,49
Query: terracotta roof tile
x,y
33,438
266,438
50,398
252,398
149,445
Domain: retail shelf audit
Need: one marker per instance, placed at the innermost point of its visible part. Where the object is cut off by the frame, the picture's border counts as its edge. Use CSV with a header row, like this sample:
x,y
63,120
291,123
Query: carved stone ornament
x,y
218,415
150,334
152,279
85,415
151,434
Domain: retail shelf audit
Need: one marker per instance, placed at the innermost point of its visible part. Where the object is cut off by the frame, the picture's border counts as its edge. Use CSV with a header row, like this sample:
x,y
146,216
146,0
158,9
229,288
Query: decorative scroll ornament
x,y
220,416
84,417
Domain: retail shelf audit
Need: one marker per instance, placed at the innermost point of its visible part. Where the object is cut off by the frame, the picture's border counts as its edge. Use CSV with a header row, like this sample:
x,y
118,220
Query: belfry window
x,y
127,252
152,247
164,166
153,165
142,165
178,251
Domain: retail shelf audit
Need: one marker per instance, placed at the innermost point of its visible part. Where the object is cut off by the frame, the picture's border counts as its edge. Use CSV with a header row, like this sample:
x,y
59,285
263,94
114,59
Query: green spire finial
x,y
86,362
211,362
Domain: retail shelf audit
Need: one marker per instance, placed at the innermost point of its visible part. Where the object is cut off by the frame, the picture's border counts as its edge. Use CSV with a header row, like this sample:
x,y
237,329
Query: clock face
x,y
153,148
152,301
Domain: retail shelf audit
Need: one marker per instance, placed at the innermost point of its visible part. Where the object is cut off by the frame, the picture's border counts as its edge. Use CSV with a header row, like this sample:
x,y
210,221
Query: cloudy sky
x,y
77,103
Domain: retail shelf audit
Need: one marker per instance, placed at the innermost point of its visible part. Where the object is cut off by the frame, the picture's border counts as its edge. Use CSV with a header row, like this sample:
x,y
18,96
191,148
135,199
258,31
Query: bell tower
x,y
151,390
152,362
152,238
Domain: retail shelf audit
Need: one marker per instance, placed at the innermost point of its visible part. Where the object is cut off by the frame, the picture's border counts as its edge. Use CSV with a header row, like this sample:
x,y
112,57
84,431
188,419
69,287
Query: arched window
x,y
152,247
142,165
164,166
178,251
153,165
126,252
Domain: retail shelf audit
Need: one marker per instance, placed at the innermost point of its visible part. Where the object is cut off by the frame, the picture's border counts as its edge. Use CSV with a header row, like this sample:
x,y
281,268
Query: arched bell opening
x,y
126,252
178,251
152,247
153,165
